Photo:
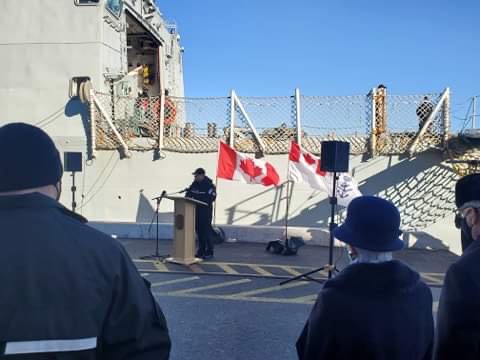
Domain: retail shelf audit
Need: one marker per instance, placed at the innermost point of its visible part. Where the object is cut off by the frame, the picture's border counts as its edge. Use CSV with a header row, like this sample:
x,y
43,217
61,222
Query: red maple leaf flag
x,y
248,167
304,168
236,166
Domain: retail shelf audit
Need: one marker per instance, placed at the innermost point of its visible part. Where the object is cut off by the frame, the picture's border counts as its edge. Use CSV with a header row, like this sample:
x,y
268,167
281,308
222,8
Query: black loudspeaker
x,y
335,156
72,161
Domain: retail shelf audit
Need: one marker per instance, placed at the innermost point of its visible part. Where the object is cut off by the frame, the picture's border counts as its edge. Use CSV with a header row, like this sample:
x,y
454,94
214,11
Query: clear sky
x,y
329,47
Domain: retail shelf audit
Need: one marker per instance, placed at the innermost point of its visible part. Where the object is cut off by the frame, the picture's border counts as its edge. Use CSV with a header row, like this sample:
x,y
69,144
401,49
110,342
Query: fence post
x,y
232,119
474,112
444,105
93,130
250,123
373,131
161,125
298,117
123,145
446,117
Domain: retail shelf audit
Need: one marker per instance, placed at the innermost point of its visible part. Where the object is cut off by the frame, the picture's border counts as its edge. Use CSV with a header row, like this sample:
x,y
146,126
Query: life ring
x,y
170,112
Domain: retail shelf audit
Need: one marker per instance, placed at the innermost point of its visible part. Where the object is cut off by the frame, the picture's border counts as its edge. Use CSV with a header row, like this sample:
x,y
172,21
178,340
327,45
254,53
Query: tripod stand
x,y
73,189
156,256
330,267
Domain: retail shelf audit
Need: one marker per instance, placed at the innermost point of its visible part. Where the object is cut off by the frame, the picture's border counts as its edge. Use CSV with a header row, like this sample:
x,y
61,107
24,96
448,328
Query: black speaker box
x,y
72,161
335,156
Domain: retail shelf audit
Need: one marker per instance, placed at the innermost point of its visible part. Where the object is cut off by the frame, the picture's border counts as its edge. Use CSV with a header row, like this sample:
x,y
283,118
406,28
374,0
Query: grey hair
x,y
470,204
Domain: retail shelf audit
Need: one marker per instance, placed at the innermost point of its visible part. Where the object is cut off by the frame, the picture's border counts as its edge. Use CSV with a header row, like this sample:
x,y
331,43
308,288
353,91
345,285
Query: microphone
x,y
161,196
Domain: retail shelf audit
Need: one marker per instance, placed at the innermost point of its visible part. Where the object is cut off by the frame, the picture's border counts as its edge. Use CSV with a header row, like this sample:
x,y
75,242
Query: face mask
x,y
352,254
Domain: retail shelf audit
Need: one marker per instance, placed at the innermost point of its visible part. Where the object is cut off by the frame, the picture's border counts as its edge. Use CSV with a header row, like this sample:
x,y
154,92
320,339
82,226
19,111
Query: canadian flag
x,y
304,168
236,166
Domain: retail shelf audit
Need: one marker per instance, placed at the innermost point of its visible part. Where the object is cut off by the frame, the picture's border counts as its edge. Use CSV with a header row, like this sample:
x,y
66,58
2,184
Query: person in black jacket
x,y
467,192
458,325
377,307
203,189
424,110
68,291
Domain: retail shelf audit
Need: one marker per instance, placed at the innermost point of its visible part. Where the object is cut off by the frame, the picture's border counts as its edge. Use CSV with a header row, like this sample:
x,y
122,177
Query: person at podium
x,y
203,189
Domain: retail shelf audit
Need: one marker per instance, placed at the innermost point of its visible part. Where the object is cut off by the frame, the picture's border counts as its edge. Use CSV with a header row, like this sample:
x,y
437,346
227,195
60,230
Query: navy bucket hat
x,y
372,224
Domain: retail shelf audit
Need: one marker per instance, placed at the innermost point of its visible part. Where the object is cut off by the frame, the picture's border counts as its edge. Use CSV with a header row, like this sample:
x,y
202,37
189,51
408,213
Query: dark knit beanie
x,y
467,189
28,158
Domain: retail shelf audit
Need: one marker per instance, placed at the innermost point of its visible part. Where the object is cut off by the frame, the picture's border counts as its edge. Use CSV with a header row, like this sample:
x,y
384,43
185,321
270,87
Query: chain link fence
x,y
344,118
273,120
375,123
197,126
399,118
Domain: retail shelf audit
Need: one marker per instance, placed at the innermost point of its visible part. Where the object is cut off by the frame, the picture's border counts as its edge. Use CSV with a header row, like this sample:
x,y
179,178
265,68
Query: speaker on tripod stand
x,y
334,159
73,163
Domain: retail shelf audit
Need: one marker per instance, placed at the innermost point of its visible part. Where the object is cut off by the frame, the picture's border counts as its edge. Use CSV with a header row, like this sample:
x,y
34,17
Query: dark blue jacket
x,y
370,311
458,325
204,191
66,287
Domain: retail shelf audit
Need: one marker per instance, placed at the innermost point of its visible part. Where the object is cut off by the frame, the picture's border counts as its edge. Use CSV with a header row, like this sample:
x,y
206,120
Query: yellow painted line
x,y
309,299
160,266
175,281
231,298
143,261
290,270
303,268
227,268
210,287
293,270
261,271
270,289
196,269
277,300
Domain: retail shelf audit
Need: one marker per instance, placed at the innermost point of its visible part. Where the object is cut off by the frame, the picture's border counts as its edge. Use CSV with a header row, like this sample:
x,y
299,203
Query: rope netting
x,y
387,124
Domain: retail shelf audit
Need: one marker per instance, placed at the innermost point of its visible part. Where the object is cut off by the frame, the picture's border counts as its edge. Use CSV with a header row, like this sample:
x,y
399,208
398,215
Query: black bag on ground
x,y
218,235
288,247
275,247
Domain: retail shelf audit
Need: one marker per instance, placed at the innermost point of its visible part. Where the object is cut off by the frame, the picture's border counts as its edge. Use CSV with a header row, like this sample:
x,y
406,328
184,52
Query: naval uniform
x,y
206,192
70,292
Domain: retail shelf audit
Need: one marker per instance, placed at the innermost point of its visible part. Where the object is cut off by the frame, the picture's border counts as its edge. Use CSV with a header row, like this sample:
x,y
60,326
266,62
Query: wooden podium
x,y
184,230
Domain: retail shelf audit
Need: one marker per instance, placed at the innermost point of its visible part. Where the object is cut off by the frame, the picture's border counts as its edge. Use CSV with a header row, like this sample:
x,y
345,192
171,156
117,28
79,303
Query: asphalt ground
x,y
233,306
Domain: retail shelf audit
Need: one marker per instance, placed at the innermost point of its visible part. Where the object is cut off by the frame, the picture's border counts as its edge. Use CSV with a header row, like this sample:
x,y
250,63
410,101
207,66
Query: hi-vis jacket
x,y
70,292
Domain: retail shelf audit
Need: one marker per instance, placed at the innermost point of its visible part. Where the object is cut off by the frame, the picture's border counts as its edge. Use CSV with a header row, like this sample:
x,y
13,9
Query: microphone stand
x,y
330,267
157,256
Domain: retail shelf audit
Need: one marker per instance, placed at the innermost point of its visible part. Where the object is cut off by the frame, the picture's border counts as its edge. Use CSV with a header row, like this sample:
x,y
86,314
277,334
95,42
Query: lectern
x,y
184,230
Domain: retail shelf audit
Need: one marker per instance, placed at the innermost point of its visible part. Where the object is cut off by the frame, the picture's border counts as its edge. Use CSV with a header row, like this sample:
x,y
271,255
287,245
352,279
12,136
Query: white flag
x,y
304,168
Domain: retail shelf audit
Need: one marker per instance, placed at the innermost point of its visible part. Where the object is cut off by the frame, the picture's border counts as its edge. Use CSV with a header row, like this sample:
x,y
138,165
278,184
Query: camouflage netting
x,y
465,154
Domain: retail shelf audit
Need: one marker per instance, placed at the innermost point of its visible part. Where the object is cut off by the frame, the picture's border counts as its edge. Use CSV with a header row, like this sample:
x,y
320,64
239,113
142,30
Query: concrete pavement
x,y
232,307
